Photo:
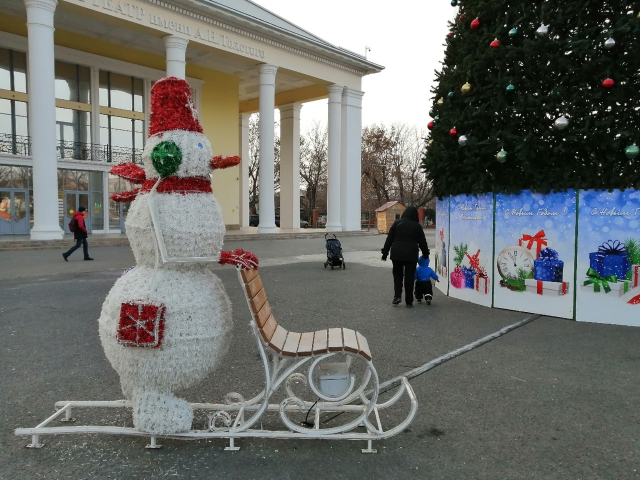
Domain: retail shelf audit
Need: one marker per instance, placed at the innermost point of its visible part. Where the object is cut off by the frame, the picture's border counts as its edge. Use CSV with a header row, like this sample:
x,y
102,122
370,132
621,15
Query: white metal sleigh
x,y
289,359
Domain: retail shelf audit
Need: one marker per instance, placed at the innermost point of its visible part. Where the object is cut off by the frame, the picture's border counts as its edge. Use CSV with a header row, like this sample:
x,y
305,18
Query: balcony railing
x,y
15,144
97,153
87,152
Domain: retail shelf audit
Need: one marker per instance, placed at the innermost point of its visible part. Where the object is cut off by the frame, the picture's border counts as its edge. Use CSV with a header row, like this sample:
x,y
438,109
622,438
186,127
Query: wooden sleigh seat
x,y
292,344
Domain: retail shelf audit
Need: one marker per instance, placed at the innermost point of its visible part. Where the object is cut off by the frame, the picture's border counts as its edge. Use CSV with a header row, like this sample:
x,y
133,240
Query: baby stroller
x,y
334,253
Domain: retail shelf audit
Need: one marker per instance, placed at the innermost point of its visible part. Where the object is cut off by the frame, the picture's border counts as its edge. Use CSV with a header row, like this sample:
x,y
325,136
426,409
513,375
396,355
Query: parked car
x,y
304,224
254,220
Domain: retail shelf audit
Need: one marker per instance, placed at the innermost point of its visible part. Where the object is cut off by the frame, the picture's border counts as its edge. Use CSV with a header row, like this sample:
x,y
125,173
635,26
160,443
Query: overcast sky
x,y
405,36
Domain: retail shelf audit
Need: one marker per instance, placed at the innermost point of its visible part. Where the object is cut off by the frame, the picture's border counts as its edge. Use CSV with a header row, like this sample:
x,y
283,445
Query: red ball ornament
x,y
430,125
495,44
462,17
453,132
475,24
449,34
608,83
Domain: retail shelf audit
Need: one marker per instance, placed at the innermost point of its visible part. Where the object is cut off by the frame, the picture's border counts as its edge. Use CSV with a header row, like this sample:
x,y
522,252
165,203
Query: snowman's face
x,y
177,153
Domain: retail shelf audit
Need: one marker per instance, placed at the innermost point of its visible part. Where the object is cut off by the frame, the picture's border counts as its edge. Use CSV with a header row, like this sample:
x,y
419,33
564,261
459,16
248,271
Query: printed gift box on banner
x,y
610,259
635,274
538,239
468,277
482,283
548,268
555,289
457,278
609,284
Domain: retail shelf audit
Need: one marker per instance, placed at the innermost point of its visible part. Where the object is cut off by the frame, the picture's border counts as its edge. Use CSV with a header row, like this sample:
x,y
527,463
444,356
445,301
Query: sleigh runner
x,y
289,360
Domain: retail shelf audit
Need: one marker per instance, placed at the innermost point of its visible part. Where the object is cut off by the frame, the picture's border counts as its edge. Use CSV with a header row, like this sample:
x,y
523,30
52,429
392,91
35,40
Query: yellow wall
x,y
219,104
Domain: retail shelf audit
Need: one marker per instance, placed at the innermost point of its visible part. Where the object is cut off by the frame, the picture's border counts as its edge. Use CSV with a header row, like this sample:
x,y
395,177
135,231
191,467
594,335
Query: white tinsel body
x,y
198,312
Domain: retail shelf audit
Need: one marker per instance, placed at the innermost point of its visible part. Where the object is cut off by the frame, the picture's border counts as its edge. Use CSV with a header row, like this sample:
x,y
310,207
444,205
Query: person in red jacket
x,y
79,234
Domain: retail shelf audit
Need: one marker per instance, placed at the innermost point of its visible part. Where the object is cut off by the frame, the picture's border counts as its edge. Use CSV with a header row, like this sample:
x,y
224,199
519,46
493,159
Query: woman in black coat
x,y
404,239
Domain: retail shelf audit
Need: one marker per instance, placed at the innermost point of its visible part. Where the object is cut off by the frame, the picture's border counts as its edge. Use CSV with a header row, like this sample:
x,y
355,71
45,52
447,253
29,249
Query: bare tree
x,y
313,167
254,160
391,160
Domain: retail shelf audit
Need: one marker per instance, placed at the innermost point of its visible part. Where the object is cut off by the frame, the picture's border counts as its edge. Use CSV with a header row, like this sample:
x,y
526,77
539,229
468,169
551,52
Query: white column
x,y
42,119
350,161
290,165
333,176
244,169
267,206
176,48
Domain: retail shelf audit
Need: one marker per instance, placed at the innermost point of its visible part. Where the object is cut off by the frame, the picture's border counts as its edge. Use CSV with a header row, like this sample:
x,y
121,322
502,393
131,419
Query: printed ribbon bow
x,y
549,255
612,247
538,238
475,263
596,279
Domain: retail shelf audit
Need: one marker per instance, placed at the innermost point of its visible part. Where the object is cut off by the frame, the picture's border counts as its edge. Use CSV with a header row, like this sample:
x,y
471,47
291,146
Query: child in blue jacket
x,y
424,274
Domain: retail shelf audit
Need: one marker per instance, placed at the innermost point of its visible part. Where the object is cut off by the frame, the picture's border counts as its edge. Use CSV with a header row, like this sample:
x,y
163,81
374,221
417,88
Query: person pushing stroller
x,y
423,277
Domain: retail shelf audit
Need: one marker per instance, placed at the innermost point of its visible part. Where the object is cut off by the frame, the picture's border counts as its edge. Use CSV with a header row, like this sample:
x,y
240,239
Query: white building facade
x,y
75,77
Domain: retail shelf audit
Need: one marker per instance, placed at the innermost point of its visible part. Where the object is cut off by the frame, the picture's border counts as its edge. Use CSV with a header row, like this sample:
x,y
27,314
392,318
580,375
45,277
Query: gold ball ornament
x,y
466,88
441,101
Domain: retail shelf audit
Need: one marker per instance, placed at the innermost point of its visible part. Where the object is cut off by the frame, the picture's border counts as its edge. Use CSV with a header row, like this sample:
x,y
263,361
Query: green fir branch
x,y
460,250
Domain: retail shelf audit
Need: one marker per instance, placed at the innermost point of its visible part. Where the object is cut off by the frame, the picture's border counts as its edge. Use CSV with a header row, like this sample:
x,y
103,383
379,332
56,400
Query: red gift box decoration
x,y
482,283
141,324
538,239
457,278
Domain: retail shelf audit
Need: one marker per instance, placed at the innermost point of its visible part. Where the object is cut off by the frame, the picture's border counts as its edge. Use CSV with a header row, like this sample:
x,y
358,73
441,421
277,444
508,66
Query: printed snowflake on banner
x,y
141,324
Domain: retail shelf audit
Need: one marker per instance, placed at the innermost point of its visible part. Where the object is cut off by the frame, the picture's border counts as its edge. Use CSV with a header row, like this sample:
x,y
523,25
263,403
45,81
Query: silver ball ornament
x,y
543,30
462,141
609,43
501,156
561,123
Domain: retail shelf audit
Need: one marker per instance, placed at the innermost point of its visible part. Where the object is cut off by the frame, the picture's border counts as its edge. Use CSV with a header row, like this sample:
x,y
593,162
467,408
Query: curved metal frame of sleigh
x,y
288,359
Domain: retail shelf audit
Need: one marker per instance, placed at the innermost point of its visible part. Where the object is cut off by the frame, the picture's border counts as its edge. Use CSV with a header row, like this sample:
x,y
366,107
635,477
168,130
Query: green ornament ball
x,y
511,88
632,152
166,158
501,156
436,118
513,32
454,3
451,95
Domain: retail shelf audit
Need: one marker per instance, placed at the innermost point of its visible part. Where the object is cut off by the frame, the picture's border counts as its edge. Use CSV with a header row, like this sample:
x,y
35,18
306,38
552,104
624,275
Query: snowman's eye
x,y
166,158
199,145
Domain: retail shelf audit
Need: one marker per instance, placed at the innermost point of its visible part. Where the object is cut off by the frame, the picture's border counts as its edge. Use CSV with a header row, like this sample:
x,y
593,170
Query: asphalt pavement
x,y
553,399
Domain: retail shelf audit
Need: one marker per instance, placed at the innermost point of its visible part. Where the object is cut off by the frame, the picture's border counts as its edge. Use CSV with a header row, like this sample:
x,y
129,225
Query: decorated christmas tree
x,y
537,94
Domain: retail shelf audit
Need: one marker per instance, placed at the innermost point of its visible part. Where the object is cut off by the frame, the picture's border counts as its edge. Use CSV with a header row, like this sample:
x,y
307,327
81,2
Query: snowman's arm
x,y
129,171
219,162
240,258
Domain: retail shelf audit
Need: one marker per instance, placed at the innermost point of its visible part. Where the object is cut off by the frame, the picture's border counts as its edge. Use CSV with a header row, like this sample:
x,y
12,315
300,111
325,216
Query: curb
x,y
24,245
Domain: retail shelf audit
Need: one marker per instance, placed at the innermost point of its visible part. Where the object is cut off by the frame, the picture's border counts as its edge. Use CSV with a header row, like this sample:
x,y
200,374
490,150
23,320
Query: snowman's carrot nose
x,y
166,158
219,162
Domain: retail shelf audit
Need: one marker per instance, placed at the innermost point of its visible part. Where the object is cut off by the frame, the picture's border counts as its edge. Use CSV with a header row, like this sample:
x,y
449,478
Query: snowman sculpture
x,y
166,323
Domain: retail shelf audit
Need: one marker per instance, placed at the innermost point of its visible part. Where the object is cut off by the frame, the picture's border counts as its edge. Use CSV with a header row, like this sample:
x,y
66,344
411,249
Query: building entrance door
x,y
73,201
14,212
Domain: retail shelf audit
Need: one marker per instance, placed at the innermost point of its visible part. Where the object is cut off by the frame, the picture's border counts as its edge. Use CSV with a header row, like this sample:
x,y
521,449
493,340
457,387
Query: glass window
x,y
96,181
22,124
97,218
73,82
138,95
13,70
5,69
83,181
21,177
5,176
73,132
20,72
121,91
5,116
114,184
69,180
